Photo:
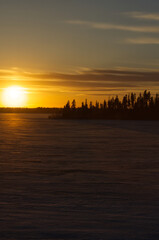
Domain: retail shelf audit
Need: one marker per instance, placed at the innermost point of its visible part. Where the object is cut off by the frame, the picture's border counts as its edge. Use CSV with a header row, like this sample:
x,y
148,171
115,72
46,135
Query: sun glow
x,y
14,96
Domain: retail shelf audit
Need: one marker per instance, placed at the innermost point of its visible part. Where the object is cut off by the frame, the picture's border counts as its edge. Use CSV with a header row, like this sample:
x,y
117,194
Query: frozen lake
x,y
63,179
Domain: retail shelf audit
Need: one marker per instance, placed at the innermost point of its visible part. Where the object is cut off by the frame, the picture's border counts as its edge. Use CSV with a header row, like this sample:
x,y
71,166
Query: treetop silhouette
x,y
132,107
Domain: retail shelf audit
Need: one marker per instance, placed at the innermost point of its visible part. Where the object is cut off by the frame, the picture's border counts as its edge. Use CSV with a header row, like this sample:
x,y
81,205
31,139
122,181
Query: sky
x,y
76,49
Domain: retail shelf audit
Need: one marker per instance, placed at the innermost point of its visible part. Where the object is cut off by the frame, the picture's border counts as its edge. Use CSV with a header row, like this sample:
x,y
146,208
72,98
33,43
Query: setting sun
x,y
14,96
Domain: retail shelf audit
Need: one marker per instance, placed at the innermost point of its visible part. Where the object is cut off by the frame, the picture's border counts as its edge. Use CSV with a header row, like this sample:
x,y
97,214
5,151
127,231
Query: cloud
x,y
107,26
142,40
6,72
86,80
144,16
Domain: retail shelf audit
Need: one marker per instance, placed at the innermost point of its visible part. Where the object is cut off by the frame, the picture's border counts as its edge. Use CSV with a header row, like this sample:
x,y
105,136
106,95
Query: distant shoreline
x,y
60,114
30,110
125,116
130,107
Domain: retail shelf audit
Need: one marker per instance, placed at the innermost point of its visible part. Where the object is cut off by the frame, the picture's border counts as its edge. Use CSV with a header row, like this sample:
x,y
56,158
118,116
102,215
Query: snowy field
x,y
63,179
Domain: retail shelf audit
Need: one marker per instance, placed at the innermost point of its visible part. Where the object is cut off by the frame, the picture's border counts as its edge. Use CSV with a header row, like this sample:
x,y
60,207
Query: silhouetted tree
x,y
97,105
73,104
129,101
151,103
116,102
146,98
86,104
157,101
104,105
83,106
67,106
125,102
101,105
91,105
133,98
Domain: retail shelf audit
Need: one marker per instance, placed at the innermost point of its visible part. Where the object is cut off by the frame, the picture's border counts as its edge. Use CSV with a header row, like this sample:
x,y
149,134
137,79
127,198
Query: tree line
x,y
131,106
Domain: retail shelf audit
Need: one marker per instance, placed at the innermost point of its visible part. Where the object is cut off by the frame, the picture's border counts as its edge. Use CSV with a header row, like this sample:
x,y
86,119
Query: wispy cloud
x,y
144,16
6,72
142,40
88,79
107,26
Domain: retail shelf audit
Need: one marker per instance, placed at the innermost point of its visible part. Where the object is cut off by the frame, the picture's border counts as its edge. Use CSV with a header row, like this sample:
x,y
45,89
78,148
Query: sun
x,y
14,96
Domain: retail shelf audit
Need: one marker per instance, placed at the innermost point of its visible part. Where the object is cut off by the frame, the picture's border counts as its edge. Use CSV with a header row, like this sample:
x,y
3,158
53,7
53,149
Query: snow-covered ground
x,y
63,179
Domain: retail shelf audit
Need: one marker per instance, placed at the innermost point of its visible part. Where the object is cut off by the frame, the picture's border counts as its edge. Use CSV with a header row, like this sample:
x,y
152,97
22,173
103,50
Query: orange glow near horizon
x,y
14,96
31,89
